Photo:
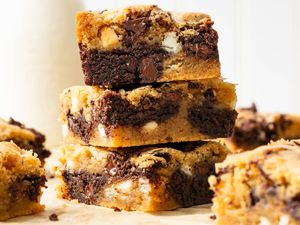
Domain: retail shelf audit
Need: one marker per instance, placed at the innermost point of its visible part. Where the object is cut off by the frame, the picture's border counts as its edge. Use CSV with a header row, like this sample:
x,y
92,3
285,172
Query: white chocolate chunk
x,y
284,220
124,186
264,221
101,130
75,104
150,126
145,186
65,130
170,43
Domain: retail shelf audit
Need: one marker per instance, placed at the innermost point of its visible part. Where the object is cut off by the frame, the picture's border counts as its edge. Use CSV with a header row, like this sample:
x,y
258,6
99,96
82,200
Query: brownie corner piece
x,y
140,45
259,186
26,138
21,180
145,178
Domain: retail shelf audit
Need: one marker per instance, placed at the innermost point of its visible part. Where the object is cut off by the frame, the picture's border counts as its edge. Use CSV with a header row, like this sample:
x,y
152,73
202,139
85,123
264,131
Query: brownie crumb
x,y
213,217
53,217
117,209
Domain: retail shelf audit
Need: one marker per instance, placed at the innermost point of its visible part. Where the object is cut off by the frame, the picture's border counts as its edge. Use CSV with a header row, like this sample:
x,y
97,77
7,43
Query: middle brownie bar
x,y
169,112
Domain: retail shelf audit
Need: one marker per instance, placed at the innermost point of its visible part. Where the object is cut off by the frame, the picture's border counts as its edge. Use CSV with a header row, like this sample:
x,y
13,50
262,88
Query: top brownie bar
x,y
144,44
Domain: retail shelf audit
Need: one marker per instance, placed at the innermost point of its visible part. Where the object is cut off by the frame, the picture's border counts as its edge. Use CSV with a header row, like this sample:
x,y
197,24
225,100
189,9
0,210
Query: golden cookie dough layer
x,y
21,179
171,112
152,178
253,128
259,187
144,44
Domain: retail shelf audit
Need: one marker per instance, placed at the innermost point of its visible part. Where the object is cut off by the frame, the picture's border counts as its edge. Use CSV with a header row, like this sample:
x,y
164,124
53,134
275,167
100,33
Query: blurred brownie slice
x,y
21,180
146,178
152,114
259,187
144,44
253,129
25,138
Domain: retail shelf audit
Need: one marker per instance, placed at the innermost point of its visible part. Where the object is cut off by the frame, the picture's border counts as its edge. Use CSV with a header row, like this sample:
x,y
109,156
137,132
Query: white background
x,y
259,45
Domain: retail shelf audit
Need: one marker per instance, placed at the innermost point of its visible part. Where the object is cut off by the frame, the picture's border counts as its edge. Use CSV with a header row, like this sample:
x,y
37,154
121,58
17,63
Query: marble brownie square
x,y
25,138
260,187
144,44
144,178
151,114
21,180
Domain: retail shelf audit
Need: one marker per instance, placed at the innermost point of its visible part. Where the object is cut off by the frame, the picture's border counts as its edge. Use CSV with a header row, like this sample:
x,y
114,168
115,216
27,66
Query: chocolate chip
x,y
137,26
148,71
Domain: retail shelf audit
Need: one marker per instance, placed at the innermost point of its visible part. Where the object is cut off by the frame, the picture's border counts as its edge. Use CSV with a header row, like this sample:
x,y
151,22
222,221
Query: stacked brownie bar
x,y
136,136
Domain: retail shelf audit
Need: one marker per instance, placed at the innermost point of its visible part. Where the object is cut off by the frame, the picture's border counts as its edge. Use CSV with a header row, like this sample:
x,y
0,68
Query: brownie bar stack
x,y
136,136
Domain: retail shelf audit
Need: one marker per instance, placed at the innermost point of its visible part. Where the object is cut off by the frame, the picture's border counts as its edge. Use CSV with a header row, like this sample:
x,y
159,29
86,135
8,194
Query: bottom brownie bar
x,y
21,179
259,187
160,177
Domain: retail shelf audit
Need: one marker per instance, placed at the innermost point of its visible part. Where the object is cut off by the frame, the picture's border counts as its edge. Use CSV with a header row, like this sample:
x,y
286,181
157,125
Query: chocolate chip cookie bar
x,y
21,180
144,44
259,187
152,114
147,178
253,129
25,138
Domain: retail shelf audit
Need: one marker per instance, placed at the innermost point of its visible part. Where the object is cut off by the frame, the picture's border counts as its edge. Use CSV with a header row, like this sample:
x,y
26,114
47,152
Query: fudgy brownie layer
x,y
201,107
177,172
268,178
27,187
36,145
145,45
253,128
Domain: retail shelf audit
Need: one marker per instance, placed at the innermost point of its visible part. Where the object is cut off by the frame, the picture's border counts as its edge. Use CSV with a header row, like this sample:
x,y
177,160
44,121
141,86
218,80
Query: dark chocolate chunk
x,y
137,26
148,70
